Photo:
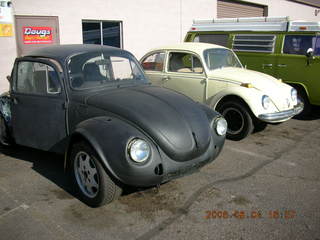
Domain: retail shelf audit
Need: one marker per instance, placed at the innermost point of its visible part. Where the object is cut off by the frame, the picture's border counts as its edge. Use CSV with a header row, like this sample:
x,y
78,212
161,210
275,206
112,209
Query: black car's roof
x,y
61,52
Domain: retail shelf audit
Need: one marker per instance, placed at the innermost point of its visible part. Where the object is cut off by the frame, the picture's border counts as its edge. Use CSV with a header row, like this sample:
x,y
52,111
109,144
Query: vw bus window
x,y
298,44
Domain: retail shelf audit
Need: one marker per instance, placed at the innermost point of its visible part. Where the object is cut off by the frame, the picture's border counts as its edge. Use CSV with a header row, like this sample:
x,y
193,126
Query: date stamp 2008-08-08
x,y
239,214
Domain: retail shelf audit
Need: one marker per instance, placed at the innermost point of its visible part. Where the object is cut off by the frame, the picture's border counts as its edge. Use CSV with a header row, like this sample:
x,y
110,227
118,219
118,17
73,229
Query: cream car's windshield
x,y
220,58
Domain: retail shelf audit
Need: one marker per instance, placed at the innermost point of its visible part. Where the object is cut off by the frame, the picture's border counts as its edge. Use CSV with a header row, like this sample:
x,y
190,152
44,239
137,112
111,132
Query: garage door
x,y
36,31
233,9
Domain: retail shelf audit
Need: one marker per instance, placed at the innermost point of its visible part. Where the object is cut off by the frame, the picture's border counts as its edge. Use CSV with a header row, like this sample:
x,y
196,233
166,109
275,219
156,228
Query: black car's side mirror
x,y
9,78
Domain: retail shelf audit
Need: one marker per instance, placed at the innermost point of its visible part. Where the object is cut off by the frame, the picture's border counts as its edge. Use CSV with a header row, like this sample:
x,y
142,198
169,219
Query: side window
x,y
154,62
36,78
298,44
254,43
219,39
184,63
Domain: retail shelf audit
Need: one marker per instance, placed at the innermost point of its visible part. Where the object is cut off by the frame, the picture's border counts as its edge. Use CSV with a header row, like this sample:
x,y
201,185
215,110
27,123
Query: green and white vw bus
x,y
287,50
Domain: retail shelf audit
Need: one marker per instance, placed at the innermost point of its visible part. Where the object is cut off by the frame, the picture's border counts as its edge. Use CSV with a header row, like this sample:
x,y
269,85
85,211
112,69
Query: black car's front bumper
x,y
156,172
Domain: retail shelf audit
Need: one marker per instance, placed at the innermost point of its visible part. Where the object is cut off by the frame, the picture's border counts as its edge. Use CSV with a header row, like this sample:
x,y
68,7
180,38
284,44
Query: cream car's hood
x,y
240,75
280,93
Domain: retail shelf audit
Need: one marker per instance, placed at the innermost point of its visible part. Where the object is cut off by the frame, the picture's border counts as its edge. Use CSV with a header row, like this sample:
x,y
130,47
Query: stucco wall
x,y
146,24
296,11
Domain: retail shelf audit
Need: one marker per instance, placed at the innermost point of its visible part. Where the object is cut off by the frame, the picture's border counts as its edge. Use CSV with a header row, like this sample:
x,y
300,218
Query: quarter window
x,y
154,62
184,63
298,44
37,78
254,43
219,39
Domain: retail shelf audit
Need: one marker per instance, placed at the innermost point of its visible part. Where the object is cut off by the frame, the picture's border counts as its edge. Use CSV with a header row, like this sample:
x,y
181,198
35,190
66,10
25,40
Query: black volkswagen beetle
x,y
94,104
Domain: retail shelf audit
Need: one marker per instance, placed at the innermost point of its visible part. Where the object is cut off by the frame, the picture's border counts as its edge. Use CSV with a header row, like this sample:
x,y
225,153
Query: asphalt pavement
x,y
264,187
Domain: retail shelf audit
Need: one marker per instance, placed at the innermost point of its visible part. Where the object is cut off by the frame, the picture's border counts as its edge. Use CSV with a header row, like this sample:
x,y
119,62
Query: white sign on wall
x,y
6,12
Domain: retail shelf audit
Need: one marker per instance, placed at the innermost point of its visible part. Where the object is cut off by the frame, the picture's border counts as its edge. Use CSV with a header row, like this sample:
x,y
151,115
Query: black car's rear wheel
x,y
4,136
239,120
93,184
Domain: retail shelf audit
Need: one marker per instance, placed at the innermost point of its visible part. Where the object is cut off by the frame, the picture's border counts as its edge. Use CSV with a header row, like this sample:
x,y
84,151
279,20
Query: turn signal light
x,y
247,85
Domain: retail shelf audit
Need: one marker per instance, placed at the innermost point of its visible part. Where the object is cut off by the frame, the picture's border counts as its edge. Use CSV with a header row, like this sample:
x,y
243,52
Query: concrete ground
x,y
264,187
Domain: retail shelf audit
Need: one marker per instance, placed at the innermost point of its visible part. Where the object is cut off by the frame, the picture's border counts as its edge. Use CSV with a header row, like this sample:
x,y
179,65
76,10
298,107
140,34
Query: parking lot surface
x,y
264,187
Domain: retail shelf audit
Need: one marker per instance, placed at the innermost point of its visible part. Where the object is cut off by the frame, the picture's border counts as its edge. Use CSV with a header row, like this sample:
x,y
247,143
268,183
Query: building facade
x,y
136,26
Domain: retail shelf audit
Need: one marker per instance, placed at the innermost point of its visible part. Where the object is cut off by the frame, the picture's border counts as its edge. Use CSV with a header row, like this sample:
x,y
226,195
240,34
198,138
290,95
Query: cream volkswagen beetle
x,y
213,74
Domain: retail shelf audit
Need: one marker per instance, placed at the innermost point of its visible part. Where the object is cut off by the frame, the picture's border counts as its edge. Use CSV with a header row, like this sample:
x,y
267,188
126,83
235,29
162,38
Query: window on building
x,y
102,33
254,43
219,39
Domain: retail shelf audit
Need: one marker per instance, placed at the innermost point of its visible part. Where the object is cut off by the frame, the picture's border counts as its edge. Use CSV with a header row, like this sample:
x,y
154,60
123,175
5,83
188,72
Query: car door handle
x,y
167,78
282,65
266,65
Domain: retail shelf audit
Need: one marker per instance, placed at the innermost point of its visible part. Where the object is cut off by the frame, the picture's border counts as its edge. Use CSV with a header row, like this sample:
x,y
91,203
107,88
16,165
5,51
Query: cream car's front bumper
x,y
281,116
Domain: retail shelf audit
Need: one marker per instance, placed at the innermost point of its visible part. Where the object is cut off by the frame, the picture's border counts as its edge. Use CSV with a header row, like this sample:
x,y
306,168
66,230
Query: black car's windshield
x,y
220,58
94,70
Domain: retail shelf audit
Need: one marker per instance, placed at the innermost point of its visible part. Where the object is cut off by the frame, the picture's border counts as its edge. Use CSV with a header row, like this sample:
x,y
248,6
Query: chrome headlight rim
x,y
294,95
266,102
134,146
220,126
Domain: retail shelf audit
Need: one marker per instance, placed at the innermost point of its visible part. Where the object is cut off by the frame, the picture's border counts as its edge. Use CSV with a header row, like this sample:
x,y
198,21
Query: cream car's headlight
x,y
294,95
266,102
139,150
221,126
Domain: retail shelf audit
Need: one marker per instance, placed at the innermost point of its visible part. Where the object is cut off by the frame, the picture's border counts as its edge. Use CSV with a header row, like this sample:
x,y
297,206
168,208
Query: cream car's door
x,y
184,73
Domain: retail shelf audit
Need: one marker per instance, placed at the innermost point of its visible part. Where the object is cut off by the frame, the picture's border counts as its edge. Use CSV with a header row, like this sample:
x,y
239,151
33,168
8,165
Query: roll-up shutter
x,y
234,9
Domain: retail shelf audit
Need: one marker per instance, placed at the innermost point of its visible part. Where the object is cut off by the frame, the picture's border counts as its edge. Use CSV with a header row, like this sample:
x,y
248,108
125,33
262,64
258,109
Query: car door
x,y
185,73
38,104
293,66
153,65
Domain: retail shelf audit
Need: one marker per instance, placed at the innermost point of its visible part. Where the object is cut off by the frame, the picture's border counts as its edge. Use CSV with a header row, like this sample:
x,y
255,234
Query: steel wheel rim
x,y
86,174
234,119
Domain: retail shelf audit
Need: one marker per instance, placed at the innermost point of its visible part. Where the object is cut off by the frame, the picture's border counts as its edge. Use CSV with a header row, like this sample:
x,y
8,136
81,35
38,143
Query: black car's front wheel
x,y
239,120
93,183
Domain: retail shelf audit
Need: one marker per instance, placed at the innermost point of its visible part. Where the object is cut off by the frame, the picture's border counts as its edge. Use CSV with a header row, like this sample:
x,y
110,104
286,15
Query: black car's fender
x,y
110,136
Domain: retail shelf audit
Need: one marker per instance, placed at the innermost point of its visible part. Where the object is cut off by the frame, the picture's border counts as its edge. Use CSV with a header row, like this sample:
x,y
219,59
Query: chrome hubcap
x,y
86,174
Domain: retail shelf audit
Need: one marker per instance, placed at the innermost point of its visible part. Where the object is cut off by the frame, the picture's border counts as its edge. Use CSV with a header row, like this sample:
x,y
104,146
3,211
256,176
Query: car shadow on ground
x,y
47,164
314,114
51,166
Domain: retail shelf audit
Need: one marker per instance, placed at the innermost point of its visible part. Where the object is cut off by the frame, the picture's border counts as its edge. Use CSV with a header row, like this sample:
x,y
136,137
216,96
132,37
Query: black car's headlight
x,y
220,126
139,150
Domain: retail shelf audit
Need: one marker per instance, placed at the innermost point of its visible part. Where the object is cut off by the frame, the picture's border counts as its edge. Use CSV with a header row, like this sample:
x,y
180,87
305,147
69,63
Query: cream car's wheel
x,y
94,185
239,120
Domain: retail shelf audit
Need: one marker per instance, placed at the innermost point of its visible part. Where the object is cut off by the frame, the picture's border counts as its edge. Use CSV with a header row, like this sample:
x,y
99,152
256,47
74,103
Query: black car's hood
x,y
176,123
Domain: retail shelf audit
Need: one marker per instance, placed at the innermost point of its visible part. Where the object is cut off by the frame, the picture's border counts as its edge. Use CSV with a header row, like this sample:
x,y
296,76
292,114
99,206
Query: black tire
x,y
259,125
107,189
307,106
4,135
239,120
